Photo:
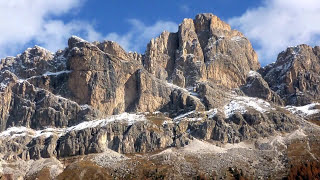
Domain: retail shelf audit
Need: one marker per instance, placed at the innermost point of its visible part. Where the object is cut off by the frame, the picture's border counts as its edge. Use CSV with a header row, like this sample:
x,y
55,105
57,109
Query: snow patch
x,y
55,73
3,85
124,117
236,38
183,116
304,111
253,74
240,104
14,132
297,134
189,90
84,106
212,113
78,38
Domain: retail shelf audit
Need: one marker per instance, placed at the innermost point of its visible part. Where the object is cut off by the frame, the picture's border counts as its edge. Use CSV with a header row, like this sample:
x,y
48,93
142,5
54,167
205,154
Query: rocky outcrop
x,y
111,85
295,75
160,55
92,81
256,86
212,95
228,55
113,48
34,62
203,49
144,135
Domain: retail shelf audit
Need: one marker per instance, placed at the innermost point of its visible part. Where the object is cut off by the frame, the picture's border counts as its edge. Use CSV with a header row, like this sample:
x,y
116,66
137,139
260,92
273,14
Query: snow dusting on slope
x,y
241,104
304,111
212,113
14,132
78,38
253,74
55,73
236,38
124,117
183,116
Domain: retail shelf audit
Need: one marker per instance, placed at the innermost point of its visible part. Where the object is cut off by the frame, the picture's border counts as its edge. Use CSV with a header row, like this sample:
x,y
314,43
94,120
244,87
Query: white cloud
x,y
54,34
140,34
27,21
277,24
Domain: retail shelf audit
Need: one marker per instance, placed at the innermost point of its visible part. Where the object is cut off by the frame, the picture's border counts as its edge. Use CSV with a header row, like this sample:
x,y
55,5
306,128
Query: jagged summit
x,y
198,52
195,95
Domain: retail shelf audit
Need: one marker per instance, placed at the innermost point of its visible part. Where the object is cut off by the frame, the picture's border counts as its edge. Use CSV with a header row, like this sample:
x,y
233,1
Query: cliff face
x,y
198,90
203,49
295,75
111,81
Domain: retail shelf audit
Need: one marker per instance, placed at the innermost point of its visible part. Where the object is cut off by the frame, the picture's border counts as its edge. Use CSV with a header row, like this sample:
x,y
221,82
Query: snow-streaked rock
x,y
304,111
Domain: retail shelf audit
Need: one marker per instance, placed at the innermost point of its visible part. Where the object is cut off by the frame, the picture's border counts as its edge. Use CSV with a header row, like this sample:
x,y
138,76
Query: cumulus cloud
x,y
28,22
54,34
277,24
140,34
31,20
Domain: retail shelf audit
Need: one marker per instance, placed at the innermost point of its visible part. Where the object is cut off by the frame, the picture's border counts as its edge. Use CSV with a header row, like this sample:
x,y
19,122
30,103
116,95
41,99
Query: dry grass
x,y
157,119
84,170
309,170
282,110
43,174
317,122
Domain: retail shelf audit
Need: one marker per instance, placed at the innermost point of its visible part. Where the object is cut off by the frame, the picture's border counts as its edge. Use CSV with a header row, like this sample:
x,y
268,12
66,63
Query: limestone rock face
x,y
114,49
145,135
30,97
160,55
295,75
213,95
256,86
83,82
112,85
203,49
33,62
229,56
97,78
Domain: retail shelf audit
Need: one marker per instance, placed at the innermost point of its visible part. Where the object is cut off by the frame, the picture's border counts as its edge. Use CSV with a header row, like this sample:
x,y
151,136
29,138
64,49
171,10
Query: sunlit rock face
x,y
295,75
203,49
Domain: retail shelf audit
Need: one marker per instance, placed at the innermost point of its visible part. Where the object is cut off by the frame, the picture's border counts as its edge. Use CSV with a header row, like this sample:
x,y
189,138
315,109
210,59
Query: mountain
x,y
196,105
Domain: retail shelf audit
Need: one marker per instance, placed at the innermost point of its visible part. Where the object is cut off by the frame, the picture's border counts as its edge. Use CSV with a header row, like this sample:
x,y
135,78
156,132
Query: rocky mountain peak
x,y
74,40
114,49
35,54
202,49
295,74
208,21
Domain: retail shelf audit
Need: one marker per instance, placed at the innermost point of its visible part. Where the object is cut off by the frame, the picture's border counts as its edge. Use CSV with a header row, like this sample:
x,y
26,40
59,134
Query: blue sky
x,y
112,16
271,25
